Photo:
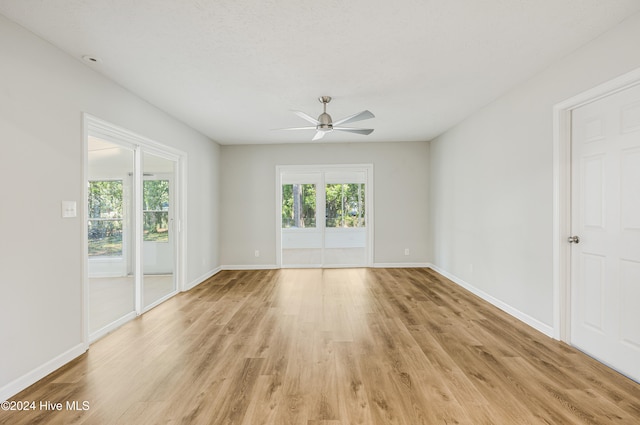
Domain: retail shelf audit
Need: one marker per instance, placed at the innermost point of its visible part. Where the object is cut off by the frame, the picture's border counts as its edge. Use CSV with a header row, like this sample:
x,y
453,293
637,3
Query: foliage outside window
x,y
156,210
105,218
345,205
298,205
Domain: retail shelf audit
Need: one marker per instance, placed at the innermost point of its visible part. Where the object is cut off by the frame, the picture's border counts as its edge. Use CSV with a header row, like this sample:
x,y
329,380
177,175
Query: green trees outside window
x,y
105,218
345,205
298,205
105,208
156,210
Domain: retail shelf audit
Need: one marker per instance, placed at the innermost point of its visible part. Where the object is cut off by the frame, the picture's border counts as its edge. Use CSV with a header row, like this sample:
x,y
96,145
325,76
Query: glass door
x,y
345,236
158,241
110,225
133,245
324,217
301,231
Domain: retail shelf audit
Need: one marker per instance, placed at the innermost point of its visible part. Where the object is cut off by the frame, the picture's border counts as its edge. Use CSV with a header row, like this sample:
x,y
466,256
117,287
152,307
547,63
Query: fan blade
x,y
306,117
364,131
296,128
364,115
319,135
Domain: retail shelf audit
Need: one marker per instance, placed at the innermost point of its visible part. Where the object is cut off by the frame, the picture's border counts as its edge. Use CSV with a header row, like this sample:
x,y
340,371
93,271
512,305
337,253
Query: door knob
x,y
573,239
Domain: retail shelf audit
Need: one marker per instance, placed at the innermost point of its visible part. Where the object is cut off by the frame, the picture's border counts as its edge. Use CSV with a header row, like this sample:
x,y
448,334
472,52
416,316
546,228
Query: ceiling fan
x,y
324,123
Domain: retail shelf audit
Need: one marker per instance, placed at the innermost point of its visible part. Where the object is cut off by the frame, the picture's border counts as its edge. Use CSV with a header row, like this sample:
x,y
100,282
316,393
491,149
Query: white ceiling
x,y
234,69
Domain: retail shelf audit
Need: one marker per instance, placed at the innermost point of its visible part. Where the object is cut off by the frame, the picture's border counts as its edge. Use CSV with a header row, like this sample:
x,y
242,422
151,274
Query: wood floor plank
x,y
329,347
354,405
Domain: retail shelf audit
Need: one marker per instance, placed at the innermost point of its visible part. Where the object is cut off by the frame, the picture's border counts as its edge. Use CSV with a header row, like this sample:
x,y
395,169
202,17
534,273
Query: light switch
x,y
69,209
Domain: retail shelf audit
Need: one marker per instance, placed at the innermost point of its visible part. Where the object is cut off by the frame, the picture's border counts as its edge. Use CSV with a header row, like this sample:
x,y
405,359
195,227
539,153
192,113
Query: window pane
x,y
105,199
156,195
345,205
105,238
105,218
156,226
298,205
156,210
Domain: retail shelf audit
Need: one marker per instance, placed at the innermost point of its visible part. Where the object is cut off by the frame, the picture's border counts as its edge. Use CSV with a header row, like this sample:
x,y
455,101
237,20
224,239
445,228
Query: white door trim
x,y
562,195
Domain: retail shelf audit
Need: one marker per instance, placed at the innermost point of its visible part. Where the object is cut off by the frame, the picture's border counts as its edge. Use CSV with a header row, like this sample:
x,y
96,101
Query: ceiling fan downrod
x,y
325,122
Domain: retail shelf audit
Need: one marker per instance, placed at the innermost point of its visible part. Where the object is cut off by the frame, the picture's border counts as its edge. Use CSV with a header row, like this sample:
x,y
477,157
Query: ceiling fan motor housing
x,y
326,123
324,120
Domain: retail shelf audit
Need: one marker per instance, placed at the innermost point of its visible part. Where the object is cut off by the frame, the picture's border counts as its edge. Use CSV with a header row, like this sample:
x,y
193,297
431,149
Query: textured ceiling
x,y
234,69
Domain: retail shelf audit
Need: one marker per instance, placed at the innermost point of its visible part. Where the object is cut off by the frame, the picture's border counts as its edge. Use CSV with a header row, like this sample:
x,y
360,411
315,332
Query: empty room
x,y
320,213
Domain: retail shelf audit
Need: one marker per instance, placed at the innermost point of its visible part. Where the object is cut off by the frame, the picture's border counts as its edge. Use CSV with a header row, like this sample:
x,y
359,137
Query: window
x,y
298,205
156,210
105,218
345,205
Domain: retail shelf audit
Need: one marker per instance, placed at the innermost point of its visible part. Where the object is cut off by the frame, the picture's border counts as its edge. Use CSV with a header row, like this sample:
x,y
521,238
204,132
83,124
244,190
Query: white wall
x,y
248,197
491,179
43,93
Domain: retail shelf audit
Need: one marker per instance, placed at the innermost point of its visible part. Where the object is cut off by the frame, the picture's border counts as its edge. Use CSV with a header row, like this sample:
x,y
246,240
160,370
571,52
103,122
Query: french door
x,y
324,216
131,233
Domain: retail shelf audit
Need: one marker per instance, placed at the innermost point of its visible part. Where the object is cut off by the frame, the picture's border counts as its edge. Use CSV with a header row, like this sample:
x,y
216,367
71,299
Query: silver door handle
x,y
573,239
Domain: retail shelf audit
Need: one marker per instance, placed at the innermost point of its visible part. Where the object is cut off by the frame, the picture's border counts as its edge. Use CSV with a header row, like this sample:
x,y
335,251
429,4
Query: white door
x,y
605,262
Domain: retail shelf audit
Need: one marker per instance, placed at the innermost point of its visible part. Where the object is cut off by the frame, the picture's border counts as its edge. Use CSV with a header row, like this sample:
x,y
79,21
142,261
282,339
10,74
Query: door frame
x,y
139,144
562,172
369,202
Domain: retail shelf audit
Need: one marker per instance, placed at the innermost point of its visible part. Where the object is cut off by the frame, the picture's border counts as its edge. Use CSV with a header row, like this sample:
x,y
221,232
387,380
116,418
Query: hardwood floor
x,y
330,347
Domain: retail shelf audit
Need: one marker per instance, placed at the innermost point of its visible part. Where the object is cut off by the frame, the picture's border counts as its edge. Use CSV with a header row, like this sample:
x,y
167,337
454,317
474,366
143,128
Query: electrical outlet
x,y
406,251
257,253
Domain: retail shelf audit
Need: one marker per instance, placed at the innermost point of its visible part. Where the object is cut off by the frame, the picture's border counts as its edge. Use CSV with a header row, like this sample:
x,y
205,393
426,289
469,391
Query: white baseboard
x,y
250,267
523,317
201,279
320,266
106,274
305,266
400,265
19,384
330,266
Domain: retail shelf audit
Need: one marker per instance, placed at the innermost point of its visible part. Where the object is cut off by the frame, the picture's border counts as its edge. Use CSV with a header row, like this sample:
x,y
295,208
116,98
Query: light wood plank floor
x,y
329,347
